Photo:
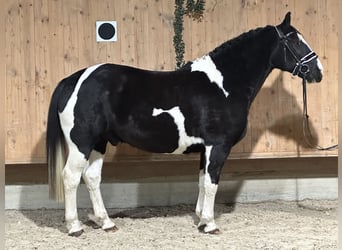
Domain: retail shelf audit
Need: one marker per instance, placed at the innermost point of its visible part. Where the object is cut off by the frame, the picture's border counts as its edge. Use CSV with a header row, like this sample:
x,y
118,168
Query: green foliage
x,y
194,10
178,42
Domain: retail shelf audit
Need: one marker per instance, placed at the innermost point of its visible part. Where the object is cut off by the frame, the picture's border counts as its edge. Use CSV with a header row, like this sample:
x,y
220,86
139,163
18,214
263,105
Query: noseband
x,y
301,68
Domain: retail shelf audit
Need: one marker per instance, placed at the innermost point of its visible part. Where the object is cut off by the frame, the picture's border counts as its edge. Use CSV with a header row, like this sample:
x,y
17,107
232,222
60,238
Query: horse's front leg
x,y
213,161
200,199
92,179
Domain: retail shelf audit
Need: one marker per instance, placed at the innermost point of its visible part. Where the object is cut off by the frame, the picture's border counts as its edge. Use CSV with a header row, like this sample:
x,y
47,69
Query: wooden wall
x,y
45,40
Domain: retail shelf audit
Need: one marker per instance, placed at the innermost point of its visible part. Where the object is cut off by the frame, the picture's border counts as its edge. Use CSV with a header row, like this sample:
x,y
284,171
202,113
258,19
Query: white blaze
x,y
301,38
205,64
319,64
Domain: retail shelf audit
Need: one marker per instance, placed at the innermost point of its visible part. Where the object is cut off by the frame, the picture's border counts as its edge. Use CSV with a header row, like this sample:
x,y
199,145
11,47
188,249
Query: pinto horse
x,y
202,107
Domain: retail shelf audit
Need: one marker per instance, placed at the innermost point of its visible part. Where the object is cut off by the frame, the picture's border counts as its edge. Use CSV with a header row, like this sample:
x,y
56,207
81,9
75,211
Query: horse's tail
x,y
55,148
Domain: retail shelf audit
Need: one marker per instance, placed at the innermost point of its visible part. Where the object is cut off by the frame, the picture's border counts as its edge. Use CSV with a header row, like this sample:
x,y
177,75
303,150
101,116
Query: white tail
x,y
56,185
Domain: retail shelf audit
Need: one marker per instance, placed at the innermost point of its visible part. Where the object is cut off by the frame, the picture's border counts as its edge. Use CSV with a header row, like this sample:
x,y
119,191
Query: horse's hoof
x,y
111,229
215,231
76,234
201,228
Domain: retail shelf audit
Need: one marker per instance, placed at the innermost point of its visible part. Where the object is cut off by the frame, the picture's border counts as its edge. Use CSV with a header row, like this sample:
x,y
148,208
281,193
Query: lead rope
x,y
308,138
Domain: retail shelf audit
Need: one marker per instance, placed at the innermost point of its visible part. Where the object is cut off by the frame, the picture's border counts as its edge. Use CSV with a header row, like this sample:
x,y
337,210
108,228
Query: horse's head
x,y
293,53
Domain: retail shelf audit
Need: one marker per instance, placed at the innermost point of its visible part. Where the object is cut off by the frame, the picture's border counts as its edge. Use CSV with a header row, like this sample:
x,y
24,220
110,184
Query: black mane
x,y
234,46
237,41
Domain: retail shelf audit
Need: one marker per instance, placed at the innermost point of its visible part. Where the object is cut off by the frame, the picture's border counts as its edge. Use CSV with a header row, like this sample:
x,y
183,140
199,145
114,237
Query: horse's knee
x,y
92,178
210,188
70,179
92,174
72,174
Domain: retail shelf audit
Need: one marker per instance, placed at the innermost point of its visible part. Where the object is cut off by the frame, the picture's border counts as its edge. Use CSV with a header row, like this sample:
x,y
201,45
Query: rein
x,y
308,138
301,69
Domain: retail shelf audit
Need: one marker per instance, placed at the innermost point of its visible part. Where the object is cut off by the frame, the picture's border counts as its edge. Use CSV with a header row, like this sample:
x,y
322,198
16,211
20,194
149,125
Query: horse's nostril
x,y
319,78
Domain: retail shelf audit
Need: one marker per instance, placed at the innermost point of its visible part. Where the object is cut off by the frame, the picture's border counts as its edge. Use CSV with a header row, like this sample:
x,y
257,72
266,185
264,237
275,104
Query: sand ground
x,y
309,224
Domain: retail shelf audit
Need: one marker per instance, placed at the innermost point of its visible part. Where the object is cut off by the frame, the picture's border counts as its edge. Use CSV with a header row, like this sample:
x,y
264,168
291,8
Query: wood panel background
x,y
46,40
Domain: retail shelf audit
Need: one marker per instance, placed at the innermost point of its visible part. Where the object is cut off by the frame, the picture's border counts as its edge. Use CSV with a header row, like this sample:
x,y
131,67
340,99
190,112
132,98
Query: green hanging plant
x,y
178,42
194,10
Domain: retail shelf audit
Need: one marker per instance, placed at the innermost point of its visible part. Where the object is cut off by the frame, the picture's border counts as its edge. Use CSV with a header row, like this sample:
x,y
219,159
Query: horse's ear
x,y
287,20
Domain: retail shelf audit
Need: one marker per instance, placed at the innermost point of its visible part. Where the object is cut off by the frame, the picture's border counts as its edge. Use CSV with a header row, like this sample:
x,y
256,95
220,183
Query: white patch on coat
x,y
67,115
184,140
205,64
319,64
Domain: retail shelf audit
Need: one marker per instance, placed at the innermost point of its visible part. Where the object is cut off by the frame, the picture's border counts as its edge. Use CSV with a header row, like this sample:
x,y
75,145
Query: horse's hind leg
x,y
92,178
72,172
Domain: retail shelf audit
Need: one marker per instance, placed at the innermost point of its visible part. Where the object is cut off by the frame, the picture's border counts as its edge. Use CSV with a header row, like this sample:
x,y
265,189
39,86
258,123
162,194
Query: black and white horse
x,y
202,107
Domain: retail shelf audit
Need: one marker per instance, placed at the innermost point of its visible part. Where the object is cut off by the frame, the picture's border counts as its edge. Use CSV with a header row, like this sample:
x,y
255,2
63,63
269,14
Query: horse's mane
x,y
238,40
232,43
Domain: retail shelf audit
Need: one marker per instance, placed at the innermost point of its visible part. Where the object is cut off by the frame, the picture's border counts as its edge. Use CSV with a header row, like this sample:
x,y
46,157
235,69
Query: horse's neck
x,y
245,62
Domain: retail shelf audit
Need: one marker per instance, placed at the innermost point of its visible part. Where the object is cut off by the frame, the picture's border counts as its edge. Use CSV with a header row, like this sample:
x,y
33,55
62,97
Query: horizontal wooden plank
x,y
135,170
170,157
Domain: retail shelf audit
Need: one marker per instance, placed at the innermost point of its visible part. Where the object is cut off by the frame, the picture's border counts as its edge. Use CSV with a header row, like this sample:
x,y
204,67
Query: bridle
x,y
301,69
